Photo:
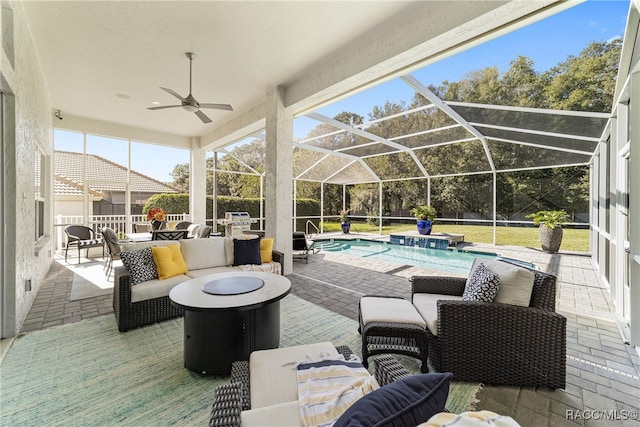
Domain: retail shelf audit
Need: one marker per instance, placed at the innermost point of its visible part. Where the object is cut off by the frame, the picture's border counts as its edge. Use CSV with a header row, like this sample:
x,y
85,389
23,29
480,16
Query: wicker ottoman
x,y
392,325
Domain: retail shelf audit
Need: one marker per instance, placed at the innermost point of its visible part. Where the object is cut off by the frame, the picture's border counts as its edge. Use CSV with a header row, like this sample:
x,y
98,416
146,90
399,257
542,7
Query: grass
x,y
573,239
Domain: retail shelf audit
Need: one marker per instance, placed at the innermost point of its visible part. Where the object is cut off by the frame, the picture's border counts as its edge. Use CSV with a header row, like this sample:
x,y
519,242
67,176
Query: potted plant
x,y
425,215
550,228
344,221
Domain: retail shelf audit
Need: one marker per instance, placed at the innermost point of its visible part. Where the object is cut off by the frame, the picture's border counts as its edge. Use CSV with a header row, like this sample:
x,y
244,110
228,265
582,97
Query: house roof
x,y
102,175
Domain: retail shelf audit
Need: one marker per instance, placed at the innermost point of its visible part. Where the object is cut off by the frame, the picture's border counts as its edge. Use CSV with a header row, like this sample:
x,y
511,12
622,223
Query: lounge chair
x,y
302,246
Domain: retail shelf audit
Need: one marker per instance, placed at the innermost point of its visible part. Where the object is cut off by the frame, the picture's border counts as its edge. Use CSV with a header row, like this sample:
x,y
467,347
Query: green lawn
x,y
573,240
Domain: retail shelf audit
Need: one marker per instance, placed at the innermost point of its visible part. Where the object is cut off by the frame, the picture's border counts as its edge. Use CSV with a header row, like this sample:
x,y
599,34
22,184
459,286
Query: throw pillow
x,y
406,402
203,253
482,286
140,265
266,249
169,261
246,252
516,283
471,419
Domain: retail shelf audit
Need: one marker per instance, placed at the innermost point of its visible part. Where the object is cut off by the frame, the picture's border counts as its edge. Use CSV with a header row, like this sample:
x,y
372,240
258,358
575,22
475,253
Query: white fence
x,y
118,223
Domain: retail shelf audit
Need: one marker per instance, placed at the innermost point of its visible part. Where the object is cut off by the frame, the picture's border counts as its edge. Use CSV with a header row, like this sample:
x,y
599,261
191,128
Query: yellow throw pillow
x,y
266,247
169,261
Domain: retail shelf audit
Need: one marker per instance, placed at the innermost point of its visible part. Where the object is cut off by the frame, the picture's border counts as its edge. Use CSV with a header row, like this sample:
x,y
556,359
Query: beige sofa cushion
x,y
427,306
155,288
133,246
395,310
204,253
206,271
281,414
273,374
516,283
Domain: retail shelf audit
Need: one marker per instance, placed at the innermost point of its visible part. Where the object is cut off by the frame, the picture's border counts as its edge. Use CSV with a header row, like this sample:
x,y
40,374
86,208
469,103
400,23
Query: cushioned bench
x,y
392,325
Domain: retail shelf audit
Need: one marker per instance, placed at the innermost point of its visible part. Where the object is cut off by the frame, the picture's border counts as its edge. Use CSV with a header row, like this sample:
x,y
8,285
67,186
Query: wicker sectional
x,y
131,315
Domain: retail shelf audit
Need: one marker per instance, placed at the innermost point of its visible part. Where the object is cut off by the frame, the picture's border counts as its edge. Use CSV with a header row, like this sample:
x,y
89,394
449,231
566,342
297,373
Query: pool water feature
x,y
449,260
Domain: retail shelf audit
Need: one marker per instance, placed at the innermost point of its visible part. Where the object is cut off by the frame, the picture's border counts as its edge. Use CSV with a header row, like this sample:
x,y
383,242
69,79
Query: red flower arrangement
x,y
156,214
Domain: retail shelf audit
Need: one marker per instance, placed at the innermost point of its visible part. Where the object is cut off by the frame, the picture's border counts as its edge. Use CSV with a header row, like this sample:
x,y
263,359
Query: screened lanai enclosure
x,y
476,163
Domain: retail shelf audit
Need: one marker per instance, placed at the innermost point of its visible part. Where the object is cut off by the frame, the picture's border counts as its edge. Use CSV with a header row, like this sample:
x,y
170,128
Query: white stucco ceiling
x,y
95,53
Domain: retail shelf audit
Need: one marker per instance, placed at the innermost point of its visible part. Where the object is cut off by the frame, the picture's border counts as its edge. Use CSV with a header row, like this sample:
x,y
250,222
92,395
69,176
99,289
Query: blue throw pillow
x,y
246,252
407,402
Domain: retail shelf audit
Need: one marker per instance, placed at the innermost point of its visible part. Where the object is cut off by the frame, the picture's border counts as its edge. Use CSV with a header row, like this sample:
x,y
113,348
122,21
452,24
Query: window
x,y
40,192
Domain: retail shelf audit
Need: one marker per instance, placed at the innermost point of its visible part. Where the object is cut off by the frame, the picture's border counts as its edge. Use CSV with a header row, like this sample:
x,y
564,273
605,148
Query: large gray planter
x,y
550,238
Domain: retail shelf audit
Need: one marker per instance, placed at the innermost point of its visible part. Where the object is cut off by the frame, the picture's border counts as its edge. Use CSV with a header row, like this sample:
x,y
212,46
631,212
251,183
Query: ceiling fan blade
x,y
174,93
203,117
217,106
163,107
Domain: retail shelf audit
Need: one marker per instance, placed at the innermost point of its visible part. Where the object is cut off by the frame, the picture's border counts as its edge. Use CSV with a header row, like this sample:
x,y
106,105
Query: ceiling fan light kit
x,y
189,103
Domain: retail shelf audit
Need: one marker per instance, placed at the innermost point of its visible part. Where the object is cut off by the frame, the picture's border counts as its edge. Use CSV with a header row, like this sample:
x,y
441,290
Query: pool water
x,y
451,261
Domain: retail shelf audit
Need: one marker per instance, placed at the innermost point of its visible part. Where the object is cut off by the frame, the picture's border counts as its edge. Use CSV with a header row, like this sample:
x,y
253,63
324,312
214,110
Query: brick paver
x,y
602,372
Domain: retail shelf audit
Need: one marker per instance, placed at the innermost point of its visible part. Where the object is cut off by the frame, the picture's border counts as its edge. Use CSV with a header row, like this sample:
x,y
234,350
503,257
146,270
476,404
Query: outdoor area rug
x,y
88,373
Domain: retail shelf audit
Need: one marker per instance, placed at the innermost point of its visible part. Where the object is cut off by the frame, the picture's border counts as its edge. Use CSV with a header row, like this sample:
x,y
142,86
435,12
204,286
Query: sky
x,y
546,42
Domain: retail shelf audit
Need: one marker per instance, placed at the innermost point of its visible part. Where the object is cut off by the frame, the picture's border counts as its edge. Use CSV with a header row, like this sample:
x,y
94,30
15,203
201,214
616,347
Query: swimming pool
x,y
451,261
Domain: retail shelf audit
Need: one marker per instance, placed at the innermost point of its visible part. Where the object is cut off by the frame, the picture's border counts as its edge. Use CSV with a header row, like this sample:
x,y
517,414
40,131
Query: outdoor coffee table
x,y
227,316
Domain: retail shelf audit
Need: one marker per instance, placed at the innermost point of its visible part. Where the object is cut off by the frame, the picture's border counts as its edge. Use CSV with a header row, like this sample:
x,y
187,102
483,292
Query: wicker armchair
x,y
232,398
493,343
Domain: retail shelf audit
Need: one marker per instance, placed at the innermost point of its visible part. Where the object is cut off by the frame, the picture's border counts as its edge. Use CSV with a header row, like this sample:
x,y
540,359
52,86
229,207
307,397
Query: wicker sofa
x,y
148,302
494,343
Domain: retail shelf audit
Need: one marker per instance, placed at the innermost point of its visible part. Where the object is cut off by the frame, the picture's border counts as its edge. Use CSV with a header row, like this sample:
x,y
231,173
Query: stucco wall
x,y
24,260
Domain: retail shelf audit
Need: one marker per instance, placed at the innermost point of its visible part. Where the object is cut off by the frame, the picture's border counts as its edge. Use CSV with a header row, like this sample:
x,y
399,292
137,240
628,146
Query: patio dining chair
x,y
169,235
113,248
203,232
182,225
82,237
141,227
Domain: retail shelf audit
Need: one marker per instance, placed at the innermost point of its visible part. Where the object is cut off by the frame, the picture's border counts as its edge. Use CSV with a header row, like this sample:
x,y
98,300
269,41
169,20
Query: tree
x,y
586,82
180,175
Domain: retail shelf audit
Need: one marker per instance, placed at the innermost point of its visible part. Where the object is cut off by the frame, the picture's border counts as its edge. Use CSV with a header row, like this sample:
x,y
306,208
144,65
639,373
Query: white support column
x,y
198,184
380,209
262,202
495,204
634,212
603,237
214,192
295,205
322,207
279,173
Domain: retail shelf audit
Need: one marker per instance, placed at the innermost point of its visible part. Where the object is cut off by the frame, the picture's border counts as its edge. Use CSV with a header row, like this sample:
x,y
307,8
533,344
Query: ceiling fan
x,y
189,103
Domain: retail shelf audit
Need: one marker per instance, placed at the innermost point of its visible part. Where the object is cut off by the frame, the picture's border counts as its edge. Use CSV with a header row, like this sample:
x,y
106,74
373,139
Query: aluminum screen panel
x,y
531,138
394,166
528,119
459,158
507,156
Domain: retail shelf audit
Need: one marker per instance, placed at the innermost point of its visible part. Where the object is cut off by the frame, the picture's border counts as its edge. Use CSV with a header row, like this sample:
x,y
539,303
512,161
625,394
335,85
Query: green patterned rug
x,y
88,373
